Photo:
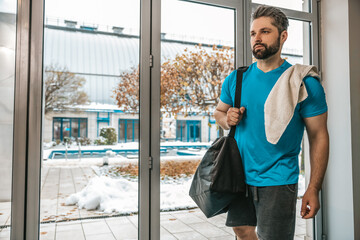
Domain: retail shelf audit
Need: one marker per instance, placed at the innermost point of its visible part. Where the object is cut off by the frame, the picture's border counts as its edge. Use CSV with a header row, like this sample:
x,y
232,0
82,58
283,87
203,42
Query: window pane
x,y
129,131
184,133
66,128
299,5
7,82
197,132
136,130
192,132
83,128
75,128
197,54
178,130
121,131
296,49
91,54
57,130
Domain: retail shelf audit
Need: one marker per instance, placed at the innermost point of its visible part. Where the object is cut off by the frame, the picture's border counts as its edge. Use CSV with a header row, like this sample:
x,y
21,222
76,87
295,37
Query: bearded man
x,y
271,168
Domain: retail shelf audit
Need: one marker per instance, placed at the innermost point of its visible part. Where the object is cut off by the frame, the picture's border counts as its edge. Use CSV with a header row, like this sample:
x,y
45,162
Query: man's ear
x,y
283,36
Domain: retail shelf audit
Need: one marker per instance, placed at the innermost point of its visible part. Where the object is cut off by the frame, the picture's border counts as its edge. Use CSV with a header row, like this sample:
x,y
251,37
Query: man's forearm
x,y
220,118
319,155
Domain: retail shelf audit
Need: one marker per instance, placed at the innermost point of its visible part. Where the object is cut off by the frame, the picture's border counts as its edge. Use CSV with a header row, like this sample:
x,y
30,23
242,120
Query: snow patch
x,y
120,195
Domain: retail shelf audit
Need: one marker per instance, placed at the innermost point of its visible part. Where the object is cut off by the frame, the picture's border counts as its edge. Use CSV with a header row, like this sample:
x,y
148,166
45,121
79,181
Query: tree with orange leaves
x,y
190,82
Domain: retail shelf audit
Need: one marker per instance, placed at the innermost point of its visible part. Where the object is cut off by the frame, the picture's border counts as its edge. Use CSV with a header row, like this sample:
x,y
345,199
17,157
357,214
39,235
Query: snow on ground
x,y
120,195
113,193
107,195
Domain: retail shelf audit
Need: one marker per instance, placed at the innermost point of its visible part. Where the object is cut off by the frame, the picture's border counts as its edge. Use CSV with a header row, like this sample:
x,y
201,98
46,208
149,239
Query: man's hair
x,y
280,21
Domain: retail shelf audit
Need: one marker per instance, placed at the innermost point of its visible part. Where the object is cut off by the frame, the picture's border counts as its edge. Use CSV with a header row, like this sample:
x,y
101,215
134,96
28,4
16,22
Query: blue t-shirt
x,y
267,164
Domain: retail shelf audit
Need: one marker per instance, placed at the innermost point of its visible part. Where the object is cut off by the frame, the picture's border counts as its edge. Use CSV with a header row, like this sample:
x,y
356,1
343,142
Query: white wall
x,y
339,79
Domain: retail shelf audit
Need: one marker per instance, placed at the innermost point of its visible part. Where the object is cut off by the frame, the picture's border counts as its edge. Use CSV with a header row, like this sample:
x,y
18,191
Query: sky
x,y
180,19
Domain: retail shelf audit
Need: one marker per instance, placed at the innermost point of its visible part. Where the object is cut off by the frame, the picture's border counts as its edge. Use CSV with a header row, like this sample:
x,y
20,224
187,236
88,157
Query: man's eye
x,y
265,31
252,34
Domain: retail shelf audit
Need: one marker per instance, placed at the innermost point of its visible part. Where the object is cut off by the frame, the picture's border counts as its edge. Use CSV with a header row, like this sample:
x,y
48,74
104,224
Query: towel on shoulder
x,y
280,105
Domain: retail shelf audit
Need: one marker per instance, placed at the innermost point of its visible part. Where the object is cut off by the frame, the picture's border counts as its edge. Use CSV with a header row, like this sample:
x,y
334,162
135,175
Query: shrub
x,y
69,140
100,141
84,141
109,133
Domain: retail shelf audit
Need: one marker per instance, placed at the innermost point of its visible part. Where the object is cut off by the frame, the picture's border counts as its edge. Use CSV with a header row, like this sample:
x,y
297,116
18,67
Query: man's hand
x,y
234,116
310,203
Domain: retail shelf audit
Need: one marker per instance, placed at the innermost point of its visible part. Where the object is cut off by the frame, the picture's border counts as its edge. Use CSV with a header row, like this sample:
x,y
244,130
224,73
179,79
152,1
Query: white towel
x,y
287,92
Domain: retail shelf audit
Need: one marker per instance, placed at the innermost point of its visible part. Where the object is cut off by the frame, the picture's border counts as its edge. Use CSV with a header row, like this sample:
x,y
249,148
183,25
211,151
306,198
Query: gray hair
x,y
280,21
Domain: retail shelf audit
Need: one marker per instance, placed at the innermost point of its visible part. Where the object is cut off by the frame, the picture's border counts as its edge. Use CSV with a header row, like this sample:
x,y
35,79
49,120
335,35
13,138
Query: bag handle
x,y
239,75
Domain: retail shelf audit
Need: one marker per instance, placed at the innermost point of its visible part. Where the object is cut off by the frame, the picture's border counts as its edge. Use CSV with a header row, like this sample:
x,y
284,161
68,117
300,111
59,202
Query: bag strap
x,y
239,75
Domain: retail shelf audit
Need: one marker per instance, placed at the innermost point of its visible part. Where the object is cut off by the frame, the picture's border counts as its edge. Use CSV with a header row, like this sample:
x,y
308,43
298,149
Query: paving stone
x,y
63,227
123,231
66,235
166,217
223,238
187,218
95,228
5,206
176,226
209,230
58,183
228,230
104,236
4,217
118,220
47,232
5,233
218,221
189,236
165,235
134,220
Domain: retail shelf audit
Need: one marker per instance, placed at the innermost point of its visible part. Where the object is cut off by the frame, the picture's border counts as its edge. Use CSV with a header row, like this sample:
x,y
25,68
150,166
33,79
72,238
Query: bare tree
x,y
63,89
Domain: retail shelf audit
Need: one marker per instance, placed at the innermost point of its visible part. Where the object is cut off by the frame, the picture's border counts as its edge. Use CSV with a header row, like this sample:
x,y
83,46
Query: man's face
x,y
265,38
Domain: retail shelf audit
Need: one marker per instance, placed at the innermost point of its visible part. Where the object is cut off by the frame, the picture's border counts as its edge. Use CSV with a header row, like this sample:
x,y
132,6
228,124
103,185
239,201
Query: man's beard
x,y
267,51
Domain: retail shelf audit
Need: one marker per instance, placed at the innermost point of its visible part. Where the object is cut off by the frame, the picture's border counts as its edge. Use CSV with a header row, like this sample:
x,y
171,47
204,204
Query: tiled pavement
x,y
174,225
58,183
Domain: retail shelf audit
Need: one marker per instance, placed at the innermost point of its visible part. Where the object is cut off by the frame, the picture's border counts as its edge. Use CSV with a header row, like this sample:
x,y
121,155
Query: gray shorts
x,y
272,209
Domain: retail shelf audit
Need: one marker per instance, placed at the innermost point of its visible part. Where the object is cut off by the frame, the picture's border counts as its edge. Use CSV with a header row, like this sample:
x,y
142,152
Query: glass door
x,y
90,165
197,53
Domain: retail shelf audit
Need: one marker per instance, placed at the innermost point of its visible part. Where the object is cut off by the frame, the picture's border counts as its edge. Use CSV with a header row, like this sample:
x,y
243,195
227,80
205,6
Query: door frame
x,y
28,116
28,113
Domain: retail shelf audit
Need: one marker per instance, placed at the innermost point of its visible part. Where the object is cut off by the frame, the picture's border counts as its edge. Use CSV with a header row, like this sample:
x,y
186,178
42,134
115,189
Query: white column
x,y
340,46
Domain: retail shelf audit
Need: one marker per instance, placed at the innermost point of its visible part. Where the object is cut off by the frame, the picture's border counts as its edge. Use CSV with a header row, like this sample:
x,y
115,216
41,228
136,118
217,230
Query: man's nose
x,y
257,38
